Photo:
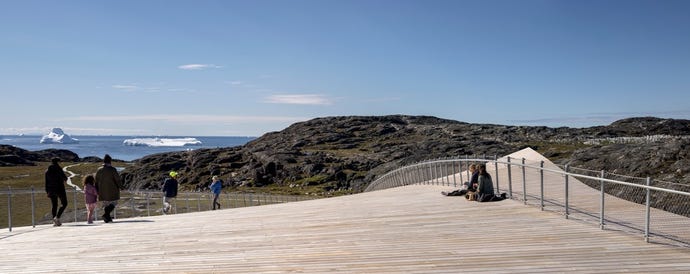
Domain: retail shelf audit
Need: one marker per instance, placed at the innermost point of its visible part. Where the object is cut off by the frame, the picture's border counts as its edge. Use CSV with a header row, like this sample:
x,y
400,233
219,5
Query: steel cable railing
x,y
632,204
29,207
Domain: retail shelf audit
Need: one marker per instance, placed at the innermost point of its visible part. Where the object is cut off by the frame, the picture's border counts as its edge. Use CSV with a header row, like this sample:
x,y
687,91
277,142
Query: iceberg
x,y
162,142
57,136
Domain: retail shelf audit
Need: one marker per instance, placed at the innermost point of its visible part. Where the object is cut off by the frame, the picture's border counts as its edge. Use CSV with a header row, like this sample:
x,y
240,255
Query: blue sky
x,y
249,67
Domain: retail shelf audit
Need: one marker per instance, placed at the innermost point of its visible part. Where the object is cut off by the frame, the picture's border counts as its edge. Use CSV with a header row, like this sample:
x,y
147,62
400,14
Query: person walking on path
x,y
169,191
90,196
108,184
55,180
216,186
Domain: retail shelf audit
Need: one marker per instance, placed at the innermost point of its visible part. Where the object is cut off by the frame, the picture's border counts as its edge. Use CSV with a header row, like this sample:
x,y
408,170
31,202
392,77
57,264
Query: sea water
x,y
100,145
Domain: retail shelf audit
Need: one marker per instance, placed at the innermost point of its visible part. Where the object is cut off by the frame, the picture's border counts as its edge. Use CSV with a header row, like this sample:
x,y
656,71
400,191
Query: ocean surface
x,y
113,145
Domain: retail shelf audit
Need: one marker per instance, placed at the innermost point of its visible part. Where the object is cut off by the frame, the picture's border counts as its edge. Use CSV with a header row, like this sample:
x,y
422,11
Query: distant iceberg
x,y
162,142
57,136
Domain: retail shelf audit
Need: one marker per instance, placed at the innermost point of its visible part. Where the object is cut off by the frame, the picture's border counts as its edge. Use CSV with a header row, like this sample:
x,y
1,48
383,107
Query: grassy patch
x,y
24,177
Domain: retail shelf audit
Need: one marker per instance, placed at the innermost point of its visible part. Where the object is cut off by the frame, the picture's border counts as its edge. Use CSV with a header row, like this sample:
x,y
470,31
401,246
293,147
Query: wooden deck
x,y
410,229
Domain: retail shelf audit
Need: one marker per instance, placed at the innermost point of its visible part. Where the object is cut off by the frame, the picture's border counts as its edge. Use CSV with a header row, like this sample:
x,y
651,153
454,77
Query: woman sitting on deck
x,y
485,188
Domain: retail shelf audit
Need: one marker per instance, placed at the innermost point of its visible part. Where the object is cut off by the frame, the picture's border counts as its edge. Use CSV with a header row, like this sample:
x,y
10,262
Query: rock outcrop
x,y
14,156
341,154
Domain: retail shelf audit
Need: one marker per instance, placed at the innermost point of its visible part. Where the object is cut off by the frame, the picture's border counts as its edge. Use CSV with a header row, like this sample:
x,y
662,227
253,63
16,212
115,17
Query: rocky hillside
x,y
337,155
12,156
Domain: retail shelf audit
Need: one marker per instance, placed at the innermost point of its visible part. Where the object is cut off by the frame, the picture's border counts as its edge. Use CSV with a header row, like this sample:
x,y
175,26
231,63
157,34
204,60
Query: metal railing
x,y
25,205
653,208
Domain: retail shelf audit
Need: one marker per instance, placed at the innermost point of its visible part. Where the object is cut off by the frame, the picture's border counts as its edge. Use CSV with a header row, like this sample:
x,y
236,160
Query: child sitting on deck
x,y
470,186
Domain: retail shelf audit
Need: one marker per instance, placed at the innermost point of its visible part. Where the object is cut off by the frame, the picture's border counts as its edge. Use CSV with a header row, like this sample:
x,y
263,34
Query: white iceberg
x,y
57,136
162,142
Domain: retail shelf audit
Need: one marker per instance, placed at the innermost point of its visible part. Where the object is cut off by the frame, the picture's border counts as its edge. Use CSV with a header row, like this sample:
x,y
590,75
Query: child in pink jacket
x,y
90,196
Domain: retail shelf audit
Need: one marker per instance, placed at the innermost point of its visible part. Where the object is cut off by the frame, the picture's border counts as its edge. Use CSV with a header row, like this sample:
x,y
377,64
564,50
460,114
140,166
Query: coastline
x,y
99,145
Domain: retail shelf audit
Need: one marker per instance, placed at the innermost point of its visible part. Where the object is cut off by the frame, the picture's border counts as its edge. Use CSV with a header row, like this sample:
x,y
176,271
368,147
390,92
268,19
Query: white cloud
x,y
236,83
197,66
152,89
126,87
299,99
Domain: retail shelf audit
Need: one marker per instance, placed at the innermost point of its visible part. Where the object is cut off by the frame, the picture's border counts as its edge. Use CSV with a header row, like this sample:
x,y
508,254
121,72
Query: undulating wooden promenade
x,y
411,229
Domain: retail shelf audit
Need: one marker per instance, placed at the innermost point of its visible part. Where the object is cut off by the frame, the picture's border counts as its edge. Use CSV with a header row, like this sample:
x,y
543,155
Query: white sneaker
x,y
56,222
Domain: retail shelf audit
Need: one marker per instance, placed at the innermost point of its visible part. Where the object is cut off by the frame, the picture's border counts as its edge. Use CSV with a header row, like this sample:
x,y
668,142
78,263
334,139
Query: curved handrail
x,y
442,171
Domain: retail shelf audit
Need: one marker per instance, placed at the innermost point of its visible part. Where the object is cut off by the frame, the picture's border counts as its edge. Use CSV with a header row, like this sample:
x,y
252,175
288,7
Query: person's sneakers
x,y
444,193
56,221
89,222
107,219
503,195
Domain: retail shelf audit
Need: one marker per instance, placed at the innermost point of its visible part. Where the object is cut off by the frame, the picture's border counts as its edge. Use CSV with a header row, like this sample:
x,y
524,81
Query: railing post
x,y
455,180
187,200
418,174
148,207
510,181
601,203
9,208
567,169
33,207
198,203
133,204
647,213
467,166
541,175
524,183
498,189
75,205
427,173
442,169
460,171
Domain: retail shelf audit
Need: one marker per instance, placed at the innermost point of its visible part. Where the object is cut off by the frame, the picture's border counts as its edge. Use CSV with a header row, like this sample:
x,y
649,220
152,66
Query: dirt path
x,y
71,174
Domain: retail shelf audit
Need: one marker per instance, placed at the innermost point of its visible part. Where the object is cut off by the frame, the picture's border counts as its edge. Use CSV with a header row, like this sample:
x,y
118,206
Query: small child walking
x,y
90,196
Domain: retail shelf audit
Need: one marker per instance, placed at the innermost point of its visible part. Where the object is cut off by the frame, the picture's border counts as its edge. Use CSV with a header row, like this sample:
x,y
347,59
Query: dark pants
x,y
490,198
108,209
215,201
54,201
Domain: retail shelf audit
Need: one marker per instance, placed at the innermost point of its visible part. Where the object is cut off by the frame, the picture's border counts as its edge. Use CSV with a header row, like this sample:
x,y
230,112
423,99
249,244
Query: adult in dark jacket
x,y
169,191
108,184
485,187
55,180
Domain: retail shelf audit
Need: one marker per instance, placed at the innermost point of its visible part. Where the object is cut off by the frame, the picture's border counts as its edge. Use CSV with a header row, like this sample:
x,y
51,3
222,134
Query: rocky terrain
x,y
340,155
12,156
